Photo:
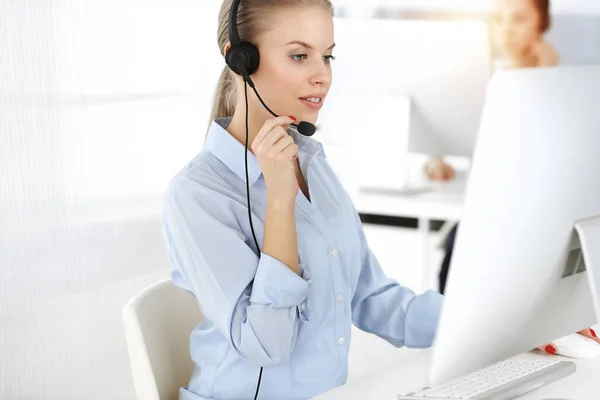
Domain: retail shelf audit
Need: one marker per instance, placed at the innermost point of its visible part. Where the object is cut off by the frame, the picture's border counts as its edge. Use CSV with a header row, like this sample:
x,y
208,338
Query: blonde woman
x,y
278,317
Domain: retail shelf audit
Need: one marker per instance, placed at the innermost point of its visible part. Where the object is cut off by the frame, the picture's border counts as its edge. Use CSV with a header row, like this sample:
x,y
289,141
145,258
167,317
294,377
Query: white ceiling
x,y
561,6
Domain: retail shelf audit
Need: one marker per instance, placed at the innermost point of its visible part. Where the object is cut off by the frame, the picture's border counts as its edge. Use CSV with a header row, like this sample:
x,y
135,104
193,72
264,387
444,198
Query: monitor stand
x,y
588,231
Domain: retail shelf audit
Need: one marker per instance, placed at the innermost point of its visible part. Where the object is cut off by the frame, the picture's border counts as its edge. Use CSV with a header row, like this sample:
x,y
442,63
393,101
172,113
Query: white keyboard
x,y
501,381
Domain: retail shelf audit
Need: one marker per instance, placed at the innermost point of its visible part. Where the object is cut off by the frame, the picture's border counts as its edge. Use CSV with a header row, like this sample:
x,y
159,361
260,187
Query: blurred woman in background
x,y
518,28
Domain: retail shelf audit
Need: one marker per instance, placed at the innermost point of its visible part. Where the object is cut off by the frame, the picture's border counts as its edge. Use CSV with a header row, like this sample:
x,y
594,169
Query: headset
x,y
243,58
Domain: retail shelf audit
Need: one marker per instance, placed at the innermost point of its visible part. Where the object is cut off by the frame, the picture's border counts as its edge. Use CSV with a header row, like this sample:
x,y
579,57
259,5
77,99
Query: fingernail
x,y
593,333
292,118
550,349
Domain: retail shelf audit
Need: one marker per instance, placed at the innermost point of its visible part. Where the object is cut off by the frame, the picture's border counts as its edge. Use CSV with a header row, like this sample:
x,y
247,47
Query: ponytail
x,y
224,98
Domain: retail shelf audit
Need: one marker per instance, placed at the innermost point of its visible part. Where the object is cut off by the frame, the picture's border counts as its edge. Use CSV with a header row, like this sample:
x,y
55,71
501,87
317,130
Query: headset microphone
x,y
303,127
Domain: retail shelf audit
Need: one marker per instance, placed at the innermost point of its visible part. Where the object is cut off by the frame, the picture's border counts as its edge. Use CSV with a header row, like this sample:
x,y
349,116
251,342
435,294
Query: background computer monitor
x,y
535,172
441,67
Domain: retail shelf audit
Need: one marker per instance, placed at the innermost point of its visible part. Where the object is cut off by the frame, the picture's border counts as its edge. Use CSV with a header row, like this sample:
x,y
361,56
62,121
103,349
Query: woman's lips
x,y
312,105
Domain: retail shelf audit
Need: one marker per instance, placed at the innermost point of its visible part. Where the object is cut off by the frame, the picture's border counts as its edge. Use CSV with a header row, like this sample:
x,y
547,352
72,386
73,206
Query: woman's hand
x,y
437,170
551,348
276,153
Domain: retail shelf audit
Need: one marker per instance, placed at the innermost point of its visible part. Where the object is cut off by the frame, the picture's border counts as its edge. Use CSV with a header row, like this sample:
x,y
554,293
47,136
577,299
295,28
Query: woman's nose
x,y
321,75
506,31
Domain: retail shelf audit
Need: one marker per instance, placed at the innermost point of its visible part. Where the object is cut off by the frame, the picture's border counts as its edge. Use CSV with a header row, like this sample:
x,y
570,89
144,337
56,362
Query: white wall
x,y
101,102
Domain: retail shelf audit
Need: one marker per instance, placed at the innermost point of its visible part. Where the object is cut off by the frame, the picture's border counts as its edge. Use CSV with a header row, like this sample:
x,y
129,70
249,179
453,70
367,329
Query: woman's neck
x,y
541,54
237,127
526,60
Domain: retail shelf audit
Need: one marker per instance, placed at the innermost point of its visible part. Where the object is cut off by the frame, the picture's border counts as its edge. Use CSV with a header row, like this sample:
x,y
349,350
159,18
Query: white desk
x,y
410,374
443,202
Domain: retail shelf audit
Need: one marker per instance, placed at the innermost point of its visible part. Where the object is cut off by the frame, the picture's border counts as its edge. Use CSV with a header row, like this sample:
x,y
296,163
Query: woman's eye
x,y
299,57
303,57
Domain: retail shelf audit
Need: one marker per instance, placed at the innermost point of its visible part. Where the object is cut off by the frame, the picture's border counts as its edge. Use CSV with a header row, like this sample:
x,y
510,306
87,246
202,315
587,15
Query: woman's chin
x,y
515,51
309,117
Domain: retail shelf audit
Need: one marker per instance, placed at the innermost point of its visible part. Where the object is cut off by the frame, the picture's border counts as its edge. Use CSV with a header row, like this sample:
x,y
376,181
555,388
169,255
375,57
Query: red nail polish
x,y
550,349
292,118
593,333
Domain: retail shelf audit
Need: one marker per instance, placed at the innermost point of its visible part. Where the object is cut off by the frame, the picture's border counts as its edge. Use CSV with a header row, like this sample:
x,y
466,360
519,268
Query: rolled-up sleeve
x,y
252,301
391,311
276,286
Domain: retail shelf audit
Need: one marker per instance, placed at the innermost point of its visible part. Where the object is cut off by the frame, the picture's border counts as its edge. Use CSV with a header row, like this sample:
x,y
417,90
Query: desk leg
x,y
425,250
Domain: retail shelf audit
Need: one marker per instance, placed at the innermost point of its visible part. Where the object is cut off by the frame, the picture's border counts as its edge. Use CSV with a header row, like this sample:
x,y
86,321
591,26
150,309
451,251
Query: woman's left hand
x,y
551,348
437,169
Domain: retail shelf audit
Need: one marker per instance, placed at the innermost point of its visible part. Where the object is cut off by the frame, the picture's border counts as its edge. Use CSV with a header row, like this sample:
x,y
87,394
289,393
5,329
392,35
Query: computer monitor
x,y
441,67
515,280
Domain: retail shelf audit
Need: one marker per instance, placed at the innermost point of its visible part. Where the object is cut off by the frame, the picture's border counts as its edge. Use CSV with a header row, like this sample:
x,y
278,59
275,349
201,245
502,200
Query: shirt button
x,y
340,340
334,252
340,298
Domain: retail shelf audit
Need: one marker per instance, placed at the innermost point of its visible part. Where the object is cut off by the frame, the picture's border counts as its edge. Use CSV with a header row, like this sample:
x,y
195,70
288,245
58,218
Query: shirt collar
x,y
231,152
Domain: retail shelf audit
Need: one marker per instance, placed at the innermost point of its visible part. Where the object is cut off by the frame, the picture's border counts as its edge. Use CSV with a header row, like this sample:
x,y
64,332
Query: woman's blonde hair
x,y
250,15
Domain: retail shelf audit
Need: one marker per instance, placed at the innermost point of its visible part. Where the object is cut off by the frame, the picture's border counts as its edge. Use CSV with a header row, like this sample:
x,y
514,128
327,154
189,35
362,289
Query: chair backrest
x,y
158,322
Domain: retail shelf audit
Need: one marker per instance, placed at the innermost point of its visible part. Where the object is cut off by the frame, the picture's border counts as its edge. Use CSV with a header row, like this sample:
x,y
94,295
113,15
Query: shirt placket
x,y
340,297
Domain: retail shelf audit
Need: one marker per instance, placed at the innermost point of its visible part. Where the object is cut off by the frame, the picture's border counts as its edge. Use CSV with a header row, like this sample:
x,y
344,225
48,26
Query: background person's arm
x,y
437,169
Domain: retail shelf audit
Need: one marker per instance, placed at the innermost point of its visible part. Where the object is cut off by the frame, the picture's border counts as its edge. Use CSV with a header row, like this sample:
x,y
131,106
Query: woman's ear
x,y
226,48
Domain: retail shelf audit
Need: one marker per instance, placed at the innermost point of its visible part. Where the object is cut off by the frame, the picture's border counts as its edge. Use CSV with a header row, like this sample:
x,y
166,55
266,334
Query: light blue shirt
x,y
258,311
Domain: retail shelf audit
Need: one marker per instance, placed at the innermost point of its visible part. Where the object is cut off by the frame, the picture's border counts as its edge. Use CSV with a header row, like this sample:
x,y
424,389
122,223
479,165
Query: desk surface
x,y
410,374
443,201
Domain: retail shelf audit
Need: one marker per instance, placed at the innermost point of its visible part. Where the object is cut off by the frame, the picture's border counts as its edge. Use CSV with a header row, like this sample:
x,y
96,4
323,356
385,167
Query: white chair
x,y
158,322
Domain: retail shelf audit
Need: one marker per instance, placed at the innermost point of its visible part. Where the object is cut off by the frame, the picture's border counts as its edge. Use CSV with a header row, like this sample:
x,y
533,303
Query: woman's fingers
x,y
437,170
450,173
268,126
551,348
591,334
548,349
281,145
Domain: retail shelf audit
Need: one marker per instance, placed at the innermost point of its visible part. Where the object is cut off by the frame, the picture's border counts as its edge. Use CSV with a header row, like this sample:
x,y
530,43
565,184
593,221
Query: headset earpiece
x,y
242,57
